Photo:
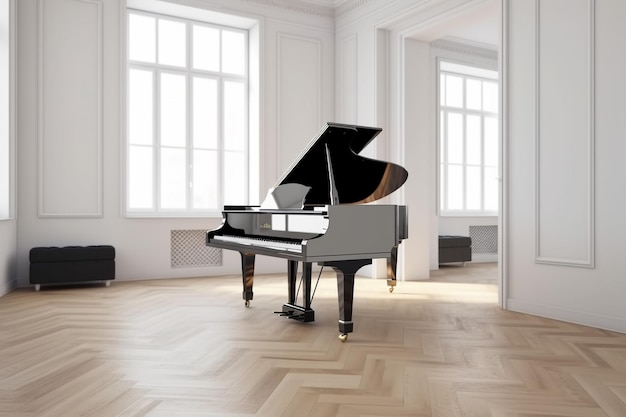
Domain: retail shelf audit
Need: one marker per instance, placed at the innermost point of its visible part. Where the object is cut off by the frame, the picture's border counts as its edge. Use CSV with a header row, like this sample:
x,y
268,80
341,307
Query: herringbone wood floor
x,y
188,347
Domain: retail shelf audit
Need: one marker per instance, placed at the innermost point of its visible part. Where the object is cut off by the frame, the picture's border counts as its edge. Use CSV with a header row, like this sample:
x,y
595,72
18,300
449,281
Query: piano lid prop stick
x,y
334,196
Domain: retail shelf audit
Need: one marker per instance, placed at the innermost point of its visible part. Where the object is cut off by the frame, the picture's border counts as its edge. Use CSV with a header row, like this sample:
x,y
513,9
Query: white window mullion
x,y
189,180
464,141
464,157
444,157
220,142
219,45
157,142
482,163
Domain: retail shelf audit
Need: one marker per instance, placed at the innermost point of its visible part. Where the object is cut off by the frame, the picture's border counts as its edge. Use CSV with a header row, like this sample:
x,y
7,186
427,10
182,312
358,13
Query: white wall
x,y
8,252
565,209
8,255
419,157
297,93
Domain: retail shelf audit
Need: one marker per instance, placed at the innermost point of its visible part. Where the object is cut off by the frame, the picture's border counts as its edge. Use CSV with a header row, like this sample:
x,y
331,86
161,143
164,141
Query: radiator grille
x,y
188,249
484,239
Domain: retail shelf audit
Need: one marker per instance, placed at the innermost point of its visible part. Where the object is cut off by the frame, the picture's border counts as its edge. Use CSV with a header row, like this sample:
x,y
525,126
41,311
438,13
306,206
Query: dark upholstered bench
x,y
455,249
71,264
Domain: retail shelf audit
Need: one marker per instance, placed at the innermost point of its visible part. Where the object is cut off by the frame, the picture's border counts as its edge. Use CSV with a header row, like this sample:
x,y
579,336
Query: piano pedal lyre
x,y
296,312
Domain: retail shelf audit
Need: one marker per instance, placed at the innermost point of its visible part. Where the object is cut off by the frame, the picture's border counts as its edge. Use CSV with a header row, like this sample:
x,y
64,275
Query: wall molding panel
x,y
565,100
70,159
299,85
349,77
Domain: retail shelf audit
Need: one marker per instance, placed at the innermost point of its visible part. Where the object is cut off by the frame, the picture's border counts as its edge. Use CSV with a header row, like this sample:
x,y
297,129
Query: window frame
x,y
8,106
442,142
192,17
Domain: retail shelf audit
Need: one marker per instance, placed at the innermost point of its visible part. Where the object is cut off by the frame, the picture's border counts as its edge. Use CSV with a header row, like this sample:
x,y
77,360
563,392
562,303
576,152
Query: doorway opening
x,y
468,37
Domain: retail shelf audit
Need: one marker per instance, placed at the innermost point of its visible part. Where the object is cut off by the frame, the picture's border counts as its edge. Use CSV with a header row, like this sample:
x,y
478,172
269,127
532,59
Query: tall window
x,y
187,116
468,132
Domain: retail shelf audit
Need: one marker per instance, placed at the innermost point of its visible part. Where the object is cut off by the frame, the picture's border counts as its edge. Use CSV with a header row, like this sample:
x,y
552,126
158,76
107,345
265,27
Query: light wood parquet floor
x,y
188,347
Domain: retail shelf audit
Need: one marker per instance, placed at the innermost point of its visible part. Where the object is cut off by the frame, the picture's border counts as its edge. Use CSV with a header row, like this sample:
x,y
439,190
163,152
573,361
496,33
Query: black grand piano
x,y
318,212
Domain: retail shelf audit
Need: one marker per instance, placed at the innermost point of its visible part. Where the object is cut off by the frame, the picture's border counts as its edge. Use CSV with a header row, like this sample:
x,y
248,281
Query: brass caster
x,y
247,303
391,289
343,337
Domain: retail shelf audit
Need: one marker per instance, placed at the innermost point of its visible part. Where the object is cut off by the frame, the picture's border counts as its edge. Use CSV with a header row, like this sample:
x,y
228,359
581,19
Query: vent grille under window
x,y
484,239
188,249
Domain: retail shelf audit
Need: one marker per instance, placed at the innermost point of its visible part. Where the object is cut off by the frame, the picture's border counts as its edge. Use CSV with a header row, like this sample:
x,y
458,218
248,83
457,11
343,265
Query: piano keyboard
x,y
261,242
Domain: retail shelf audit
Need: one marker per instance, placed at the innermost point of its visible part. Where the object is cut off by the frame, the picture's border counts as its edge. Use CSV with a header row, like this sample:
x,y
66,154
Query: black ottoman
x,y
71,264
455,249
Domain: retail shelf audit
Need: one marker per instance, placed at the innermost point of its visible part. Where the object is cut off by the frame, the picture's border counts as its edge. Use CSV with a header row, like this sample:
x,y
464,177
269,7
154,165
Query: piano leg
x,y
306,285
291,309
292,273
392,263
247,273
345,271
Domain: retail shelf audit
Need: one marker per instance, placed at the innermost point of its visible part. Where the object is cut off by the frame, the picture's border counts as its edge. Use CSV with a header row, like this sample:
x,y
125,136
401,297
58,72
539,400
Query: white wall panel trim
x,y
70,125
565,133
299,88
349,76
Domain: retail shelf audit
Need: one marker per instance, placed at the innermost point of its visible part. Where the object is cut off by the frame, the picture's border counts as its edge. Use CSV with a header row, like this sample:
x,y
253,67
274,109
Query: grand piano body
x,y
319,212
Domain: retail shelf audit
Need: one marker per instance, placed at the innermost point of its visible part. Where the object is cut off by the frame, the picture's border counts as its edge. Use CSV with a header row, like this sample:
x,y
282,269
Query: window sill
x,y
204,215
469,214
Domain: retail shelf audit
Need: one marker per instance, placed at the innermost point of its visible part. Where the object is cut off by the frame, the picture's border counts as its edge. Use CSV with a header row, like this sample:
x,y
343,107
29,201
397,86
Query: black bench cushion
x,y
72,253
69,264
69,272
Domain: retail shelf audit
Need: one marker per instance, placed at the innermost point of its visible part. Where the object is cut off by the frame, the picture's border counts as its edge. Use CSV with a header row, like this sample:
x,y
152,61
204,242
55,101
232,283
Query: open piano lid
x,y
336,174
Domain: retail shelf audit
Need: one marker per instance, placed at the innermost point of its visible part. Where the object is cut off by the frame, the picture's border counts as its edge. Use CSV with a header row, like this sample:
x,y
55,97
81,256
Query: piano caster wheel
x,y
247,304
391,289
343,337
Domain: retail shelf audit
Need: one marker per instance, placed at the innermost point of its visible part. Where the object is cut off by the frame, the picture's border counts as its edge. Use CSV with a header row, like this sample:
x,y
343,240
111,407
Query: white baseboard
x,y
7,287
584,318
484,257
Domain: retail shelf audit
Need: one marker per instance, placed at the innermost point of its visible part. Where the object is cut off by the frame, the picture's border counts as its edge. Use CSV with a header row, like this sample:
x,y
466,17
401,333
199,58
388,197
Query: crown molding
x,y
329,9
349,6
297,6
470,48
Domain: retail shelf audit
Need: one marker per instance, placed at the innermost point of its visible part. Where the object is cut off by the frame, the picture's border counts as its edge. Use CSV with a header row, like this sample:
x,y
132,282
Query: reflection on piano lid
x,y
331,167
